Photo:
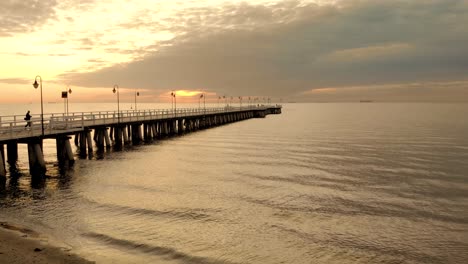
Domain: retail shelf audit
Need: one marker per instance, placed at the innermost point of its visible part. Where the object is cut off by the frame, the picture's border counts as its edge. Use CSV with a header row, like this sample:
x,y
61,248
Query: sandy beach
x,y
22,245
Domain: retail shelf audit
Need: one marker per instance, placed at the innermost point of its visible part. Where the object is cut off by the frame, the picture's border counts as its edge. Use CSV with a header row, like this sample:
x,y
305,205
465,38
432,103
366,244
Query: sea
x,y
320,183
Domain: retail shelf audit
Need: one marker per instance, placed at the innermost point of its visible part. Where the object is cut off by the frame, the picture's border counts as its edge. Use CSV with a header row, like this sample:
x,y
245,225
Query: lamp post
x,y
69,92
35,85
65,95
136,94
172,100
240,102
173,94
199,98
118,102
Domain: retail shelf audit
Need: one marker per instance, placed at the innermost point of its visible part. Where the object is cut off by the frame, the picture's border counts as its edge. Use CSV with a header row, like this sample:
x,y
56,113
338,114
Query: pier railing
x,y
12,127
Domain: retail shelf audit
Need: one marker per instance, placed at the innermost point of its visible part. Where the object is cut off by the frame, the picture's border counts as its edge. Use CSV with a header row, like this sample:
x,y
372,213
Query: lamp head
x,y
35,84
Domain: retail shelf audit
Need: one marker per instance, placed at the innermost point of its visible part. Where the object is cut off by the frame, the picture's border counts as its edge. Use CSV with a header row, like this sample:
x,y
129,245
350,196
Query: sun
x,y
187,93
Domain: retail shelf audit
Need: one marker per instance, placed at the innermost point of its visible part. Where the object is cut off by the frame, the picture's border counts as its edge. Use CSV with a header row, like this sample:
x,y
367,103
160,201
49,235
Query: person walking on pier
x,y
28,119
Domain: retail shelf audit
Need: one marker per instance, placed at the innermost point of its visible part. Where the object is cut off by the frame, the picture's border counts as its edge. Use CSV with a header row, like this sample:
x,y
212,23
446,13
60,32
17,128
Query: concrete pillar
x,y
68,150
99,138
125,135
145,132
140,133
170,127
59,145
83,144
150,131
135,139
118,136
77,137
156,126
129,132
111,134
90,142
2,162
36,159
154,131
12,152
64,150
107,138
162,127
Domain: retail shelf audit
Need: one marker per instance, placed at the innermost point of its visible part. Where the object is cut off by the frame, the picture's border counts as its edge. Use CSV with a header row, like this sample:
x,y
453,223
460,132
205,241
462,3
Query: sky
x,y
289,51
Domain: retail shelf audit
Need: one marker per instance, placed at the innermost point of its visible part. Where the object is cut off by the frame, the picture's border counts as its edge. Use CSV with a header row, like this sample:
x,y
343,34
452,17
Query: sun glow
x,y
187,93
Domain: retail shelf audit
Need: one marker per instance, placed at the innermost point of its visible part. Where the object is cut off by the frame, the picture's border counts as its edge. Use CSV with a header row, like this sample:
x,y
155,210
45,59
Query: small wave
x,y
186,214
168,252
385,253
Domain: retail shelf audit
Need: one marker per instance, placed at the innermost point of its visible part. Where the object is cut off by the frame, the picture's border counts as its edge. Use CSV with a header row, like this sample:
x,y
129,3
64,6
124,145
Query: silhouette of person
x,y
28,119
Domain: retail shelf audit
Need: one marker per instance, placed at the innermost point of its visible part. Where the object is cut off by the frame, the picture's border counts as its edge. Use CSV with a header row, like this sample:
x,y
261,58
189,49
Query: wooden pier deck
x,y
126,127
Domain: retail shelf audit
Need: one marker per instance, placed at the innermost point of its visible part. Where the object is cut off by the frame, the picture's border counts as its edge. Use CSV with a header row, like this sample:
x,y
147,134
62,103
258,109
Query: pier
x,y
109,128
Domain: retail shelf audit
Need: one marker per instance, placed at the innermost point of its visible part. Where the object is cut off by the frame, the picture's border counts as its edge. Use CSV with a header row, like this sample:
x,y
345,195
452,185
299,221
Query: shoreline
x,y
22,245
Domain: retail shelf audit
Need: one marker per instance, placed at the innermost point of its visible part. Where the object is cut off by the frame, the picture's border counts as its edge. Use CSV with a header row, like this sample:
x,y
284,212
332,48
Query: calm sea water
x,y
321,183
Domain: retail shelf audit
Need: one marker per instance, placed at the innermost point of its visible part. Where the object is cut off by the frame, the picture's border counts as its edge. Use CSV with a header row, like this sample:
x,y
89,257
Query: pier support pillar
x,y
12,152
83,144
36,159
155,133
107,138
180,126
118,136
129,133
64,150
2,163
140,133
135,134
99,135
125,135
145,132
90,143
111,133
77,138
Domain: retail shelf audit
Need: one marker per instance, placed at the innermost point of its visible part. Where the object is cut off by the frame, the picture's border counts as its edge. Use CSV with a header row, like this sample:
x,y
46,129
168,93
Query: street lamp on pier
x,y
199,98
204,102
173,95
136,94
65,95
116,89
35,85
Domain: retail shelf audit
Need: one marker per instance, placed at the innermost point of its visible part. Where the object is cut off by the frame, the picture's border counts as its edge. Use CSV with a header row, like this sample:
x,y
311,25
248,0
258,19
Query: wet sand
x,y
22,245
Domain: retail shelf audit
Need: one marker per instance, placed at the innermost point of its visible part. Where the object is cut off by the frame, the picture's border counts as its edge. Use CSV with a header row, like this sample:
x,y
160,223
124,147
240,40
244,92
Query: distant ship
x,y
366,101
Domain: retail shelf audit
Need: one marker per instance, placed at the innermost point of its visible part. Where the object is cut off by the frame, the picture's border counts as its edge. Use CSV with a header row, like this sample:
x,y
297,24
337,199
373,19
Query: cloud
x,y
23,16
288,48
454,91
16,81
